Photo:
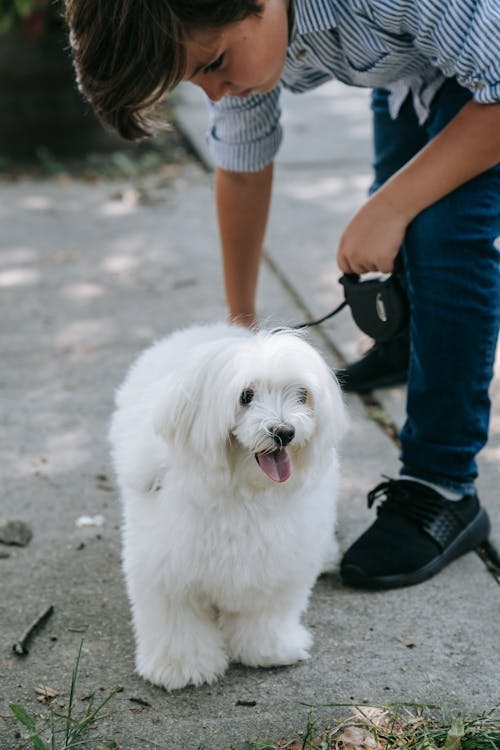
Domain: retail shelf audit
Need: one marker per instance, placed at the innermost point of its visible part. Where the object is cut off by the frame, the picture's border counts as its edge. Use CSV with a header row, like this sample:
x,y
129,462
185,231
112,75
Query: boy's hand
x,y
372,239
467,146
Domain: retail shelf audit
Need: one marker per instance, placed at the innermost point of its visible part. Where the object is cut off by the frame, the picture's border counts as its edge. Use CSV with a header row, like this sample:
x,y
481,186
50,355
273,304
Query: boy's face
x,y
242,58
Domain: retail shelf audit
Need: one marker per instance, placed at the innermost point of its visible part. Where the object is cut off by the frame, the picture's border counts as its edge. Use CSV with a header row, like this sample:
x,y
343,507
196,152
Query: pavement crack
x,y
491,558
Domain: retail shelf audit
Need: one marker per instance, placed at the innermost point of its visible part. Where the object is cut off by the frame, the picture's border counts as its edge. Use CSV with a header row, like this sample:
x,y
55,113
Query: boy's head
x,y
128,53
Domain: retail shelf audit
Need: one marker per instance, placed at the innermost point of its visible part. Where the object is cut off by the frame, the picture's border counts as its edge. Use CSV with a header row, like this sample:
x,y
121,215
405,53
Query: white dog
x,y
225,447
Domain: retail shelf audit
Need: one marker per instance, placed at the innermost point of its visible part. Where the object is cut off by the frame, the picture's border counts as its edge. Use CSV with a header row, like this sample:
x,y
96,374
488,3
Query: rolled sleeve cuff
x,y
245,134
485,93
245,157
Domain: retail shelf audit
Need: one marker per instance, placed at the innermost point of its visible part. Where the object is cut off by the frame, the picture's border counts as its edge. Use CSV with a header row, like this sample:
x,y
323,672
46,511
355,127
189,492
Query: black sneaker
x,y
417,532
382,366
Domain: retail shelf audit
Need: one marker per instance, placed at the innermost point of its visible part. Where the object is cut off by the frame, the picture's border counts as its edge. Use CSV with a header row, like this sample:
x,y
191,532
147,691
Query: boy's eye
x,y
215,65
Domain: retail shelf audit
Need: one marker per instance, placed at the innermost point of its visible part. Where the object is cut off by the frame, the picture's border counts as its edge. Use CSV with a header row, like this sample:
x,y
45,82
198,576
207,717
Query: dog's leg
x,y
178,643
269,636
331,557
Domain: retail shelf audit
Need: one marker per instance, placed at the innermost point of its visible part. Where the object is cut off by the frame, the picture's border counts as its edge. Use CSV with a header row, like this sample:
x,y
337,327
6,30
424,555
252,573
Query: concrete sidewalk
x,y
90,274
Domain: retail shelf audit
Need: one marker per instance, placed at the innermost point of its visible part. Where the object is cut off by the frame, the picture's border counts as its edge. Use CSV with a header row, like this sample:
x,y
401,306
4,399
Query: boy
x,y
435,70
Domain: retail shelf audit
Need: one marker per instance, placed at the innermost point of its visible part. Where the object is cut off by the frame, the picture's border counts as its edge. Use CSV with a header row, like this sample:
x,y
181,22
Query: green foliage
x,y
395,727
48,162
64,731
14,12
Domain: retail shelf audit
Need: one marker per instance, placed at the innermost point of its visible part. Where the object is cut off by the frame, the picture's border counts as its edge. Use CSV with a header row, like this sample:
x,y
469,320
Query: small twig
x,y
21,646
140,701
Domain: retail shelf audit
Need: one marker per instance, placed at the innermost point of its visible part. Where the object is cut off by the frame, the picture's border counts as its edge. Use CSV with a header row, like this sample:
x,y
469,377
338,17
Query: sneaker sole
x,y
385,381
471,537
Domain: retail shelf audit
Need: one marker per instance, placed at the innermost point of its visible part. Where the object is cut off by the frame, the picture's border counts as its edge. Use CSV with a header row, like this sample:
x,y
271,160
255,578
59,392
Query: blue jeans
x,y
451,271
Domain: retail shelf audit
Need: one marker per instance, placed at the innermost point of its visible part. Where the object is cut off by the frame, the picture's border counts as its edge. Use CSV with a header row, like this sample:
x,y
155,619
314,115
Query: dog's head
x,y
261,402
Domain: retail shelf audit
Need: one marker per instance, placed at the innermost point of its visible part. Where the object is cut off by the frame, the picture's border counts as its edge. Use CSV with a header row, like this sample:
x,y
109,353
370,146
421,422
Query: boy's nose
x,y
215,89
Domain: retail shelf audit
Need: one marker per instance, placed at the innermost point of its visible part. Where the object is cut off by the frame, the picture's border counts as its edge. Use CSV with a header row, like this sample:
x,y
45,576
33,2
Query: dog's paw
x,y
273,649
175,673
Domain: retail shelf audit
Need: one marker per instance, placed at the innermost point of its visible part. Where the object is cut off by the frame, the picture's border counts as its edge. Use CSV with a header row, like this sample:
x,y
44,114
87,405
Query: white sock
x,y
444,491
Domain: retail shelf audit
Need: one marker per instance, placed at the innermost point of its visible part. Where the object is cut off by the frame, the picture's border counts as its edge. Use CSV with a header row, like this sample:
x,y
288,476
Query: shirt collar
x,y
311,15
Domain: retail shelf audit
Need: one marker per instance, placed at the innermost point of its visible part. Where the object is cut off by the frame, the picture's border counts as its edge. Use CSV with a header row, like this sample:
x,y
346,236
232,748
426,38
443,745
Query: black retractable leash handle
x,y
379,306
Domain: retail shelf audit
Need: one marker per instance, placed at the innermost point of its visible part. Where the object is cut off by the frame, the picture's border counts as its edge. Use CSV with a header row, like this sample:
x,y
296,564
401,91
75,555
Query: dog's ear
x,y
327,395
197,406
175,410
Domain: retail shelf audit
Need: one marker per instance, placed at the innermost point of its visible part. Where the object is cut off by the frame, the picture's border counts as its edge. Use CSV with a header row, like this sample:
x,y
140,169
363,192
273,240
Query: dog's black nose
x,y
283,434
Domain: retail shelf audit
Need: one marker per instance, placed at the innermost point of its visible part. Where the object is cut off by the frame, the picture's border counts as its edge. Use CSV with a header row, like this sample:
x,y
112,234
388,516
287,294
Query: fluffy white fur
x,y
219,556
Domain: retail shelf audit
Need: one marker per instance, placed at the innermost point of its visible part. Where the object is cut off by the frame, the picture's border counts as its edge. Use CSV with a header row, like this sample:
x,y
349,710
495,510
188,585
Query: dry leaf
x,y
373,715
355,738
46,693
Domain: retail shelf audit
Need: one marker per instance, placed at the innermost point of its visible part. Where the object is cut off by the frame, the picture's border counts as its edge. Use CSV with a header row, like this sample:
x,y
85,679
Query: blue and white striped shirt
x,y
402,45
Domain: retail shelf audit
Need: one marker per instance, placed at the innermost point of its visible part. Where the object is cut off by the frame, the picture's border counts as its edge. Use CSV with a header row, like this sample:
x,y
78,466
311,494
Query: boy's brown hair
x,y
128,53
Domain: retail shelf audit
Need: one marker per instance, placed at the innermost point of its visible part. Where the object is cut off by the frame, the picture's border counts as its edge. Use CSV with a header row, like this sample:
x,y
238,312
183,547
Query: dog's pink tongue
x,y
276,465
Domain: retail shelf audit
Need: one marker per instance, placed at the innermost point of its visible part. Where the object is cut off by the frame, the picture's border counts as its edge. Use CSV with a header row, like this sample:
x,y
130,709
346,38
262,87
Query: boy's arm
x,y
243,201
467,146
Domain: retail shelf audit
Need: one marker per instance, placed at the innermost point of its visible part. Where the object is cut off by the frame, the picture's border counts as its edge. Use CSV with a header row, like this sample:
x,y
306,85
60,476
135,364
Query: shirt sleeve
x,y
462,39
245,134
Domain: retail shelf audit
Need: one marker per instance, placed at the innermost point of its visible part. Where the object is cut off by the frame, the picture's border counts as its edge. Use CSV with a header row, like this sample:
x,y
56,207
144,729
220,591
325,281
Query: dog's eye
x,y
246,396
302,395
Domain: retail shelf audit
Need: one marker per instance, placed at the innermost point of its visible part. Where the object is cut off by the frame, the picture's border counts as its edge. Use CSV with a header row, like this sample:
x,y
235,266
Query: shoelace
x,y
424,507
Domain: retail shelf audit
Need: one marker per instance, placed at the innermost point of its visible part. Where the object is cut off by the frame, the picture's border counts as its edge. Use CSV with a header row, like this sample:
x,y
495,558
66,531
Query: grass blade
x,y
74,675
30,723
455,734
23,716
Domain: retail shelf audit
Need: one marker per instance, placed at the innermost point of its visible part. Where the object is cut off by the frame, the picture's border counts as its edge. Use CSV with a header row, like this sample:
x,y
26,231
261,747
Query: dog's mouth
x,y
276,465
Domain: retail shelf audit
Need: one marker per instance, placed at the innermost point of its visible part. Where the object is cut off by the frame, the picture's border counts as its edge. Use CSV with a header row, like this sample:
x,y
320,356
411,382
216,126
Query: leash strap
x,y
311,323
